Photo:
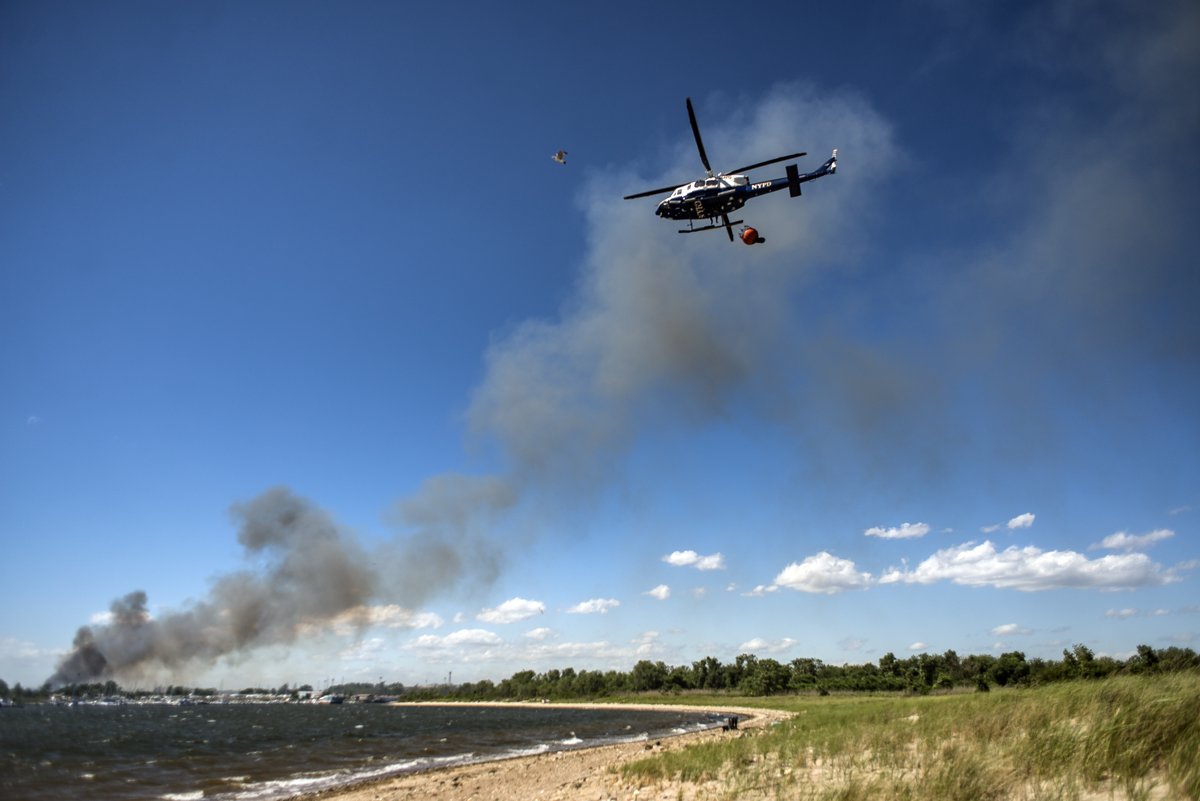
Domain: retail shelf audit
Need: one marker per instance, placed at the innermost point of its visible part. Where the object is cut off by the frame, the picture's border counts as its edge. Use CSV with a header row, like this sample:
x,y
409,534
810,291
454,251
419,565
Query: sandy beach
x,y
588,773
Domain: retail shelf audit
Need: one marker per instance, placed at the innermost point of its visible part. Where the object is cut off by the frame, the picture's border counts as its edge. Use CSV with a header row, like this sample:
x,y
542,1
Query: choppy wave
x,y
268,753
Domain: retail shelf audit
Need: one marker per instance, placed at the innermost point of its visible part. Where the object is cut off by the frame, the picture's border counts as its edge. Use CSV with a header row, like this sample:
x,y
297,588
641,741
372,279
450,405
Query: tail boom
x,y
795,178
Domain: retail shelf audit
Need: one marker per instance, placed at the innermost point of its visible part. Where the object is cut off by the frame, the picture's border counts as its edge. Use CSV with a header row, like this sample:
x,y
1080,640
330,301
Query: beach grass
x,y
1130,737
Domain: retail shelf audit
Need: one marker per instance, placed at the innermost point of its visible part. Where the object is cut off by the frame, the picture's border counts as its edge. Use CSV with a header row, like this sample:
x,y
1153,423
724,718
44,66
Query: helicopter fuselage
x,y
711,197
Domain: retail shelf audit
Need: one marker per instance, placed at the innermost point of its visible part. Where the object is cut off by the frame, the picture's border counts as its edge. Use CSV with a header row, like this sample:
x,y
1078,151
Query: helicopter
x,y
715,196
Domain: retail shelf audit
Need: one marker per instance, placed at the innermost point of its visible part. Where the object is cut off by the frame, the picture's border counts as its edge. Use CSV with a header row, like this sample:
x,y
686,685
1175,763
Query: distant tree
x,y
951,667
616,682
928,666
1085,658
977,665
708,674
519,685
649,675
1175,658
589,683
804,673
764,677
679,677
565,687
1145,661
742,664
3,688
1037,670
1010,668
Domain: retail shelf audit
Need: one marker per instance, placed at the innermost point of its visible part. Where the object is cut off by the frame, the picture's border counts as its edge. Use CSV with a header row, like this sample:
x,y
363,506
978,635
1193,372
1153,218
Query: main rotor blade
x,y
650,192
728,226
749,167
696,132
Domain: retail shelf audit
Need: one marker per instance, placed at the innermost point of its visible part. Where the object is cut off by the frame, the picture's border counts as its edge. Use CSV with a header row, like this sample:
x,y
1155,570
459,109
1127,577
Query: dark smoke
x,y
306,573
313,572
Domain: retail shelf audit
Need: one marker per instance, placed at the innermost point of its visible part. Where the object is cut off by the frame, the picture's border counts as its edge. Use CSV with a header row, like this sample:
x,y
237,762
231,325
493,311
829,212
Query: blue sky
x,y
299,320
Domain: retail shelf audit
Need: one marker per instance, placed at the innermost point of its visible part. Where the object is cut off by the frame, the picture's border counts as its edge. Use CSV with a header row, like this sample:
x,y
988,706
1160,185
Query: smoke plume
x,y
312,571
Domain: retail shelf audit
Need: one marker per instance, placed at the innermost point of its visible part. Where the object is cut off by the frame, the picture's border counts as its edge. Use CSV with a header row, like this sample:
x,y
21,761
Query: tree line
x,y
755,676
746,675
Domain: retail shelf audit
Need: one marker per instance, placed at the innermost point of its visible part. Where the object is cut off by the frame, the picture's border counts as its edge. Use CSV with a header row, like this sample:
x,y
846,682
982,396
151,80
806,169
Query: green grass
x,y
1131,737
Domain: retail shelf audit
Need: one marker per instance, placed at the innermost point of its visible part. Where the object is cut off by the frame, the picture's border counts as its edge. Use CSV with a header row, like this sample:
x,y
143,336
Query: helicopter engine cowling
x,y
750,236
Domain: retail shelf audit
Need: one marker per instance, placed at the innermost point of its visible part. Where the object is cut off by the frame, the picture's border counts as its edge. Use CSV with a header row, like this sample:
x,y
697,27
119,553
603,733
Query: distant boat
x,y
330,699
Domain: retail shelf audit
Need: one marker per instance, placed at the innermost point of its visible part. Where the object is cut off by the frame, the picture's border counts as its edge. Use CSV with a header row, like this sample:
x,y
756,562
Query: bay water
x,y
265,752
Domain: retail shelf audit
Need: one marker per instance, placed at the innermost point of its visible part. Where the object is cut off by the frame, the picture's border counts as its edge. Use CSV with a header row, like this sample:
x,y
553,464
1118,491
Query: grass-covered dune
x,y
1128,737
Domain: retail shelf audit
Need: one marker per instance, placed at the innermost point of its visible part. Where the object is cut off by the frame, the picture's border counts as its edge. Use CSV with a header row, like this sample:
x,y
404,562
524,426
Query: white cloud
x,y
918,646
662,592
1031,569
904,531
1122,541
1009,629
596,606
556,654
512,611
851,644
823,573
714,561
541,633
458,639
647,643
760,646
760,590
1020,521
1121,613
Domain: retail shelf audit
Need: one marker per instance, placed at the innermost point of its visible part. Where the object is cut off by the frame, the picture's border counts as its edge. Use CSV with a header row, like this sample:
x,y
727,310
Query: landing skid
x,y
692,230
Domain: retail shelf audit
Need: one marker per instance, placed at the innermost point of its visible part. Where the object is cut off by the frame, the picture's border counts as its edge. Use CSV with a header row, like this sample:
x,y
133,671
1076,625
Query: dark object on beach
x,y
730,723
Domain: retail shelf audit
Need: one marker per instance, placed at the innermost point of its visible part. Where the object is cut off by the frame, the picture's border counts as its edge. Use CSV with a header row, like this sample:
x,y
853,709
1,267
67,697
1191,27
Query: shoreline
x,y
557,775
